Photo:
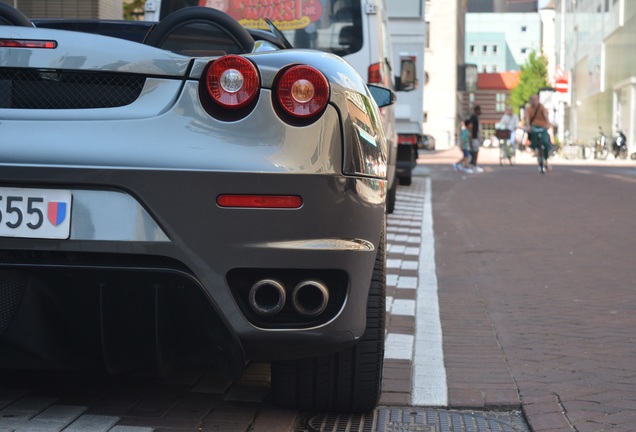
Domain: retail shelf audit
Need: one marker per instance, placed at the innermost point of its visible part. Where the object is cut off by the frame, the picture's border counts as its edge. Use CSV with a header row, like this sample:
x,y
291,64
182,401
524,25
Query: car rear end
x,y
144,210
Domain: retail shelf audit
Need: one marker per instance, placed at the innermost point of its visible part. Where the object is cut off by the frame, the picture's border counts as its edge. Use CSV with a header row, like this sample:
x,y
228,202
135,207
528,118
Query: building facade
x,y
444,52
83,9
493,90
499,42
596,46
498,6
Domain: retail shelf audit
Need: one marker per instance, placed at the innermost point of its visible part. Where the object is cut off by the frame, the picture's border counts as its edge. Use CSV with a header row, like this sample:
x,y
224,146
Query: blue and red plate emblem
x,y
56,212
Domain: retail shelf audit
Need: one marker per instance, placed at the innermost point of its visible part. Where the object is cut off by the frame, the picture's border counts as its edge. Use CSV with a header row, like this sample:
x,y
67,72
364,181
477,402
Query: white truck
x,y
407,27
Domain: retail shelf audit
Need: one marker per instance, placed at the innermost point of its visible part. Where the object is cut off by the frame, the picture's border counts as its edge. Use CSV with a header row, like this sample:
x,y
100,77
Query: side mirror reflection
x,y
382,95
407,80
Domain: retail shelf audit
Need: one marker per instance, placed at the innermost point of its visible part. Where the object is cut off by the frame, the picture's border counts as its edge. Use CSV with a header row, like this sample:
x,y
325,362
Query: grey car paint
x,y
172,159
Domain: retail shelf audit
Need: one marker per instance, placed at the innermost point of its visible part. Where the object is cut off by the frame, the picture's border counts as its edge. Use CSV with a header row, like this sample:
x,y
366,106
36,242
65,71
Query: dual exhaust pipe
x,y
309,298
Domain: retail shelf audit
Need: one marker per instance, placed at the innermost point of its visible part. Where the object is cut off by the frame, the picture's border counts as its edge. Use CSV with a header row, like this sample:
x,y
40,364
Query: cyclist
x,y
537,124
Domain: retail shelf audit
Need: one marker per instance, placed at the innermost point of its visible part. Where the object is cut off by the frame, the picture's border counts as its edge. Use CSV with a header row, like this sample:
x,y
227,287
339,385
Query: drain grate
x,y
407,419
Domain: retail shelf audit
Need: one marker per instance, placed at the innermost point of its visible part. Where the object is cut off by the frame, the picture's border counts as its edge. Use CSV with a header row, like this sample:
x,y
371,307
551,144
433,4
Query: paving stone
x,y
92,423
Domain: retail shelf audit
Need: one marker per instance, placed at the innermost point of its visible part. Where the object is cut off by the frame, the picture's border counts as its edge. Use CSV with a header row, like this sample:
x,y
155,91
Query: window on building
x,y
606,5
484,68
471,50
500,99
425,117
524,29
524,50
495,49
484,49
494,68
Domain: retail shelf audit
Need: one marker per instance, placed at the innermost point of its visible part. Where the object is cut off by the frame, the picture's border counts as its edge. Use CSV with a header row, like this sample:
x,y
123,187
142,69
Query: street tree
x,y
533,77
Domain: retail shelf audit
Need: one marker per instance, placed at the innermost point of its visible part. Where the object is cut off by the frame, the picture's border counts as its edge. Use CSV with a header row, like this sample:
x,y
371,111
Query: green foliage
x,y
134,9
533,76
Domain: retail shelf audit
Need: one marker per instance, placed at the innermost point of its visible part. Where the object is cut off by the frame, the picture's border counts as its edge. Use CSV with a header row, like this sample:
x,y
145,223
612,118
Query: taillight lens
x,y
260,201
375,74
232,81
302,91
26,43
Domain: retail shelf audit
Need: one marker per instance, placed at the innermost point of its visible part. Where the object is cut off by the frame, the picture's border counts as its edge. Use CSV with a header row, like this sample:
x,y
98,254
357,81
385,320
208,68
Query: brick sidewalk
x,y
535,307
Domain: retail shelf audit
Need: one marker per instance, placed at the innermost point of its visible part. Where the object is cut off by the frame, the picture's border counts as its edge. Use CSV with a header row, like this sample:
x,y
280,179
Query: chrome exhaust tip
x,y
310,298
267,297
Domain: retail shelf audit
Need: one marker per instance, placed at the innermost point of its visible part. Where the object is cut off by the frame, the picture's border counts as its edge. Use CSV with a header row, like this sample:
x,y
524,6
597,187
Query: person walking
x,y
537,124
475,144
464,145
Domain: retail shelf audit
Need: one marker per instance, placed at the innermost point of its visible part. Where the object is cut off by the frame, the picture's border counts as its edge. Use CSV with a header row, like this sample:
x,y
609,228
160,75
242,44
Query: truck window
x,y
333,26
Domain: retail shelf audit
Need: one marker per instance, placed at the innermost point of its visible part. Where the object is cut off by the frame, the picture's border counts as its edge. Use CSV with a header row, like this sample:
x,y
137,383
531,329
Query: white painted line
x,y
393,263
409,265
398,346
429,373
407,282
403,307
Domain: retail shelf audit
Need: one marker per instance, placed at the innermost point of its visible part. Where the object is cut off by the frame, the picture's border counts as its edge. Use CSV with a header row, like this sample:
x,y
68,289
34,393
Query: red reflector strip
x,y
24,43
407,139
260,201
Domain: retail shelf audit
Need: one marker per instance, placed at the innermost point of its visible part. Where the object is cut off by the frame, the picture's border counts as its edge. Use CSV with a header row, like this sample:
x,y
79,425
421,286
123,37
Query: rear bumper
x,y
178,229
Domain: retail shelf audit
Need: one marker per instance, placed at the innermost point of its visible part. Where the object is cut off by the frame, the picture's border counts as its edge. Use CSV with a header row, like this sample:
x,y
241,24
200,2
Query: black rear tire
x,y
347,381
406,180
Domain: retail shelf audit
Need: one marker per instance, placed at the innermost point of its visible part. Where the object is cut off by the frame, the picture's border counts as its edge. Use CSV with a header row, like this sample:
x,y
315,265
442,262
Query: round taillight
x,y
232,81
302,91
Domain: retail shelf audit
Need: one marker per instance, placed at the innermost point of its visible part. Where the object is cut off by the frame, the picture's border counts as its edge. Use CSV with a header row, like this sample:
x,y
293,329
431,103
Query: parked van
x,y
357,30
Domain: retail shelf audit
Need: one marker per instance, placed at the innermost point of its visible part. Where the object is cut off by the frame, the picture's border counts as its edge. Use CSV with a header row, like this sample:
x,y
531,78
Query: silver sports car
x,y
177,191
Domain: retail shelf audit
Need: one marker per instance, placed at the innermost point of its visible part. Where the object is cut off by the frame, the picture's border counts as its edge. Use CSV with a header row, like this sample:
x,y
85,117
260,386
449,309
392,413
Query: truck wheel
x,y
346,381
390,198
406,180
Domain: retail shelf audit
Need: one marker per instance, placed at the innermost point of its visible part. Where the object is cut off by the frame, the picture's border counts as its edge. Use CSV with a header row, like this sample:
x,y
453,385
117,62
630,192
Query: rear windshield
x,y
333,26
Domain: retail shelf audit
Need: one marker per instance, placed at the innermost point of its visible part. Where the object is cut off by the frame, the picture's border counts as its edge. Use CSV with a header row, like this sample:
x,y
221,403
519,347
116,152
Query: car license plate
x,y
35,213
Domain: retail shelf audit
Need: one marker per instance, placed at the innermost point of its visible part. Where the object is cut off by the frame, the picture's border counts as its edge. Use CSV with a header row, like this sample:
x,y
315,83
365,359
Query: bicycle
x,y
506,147
540,134
601,146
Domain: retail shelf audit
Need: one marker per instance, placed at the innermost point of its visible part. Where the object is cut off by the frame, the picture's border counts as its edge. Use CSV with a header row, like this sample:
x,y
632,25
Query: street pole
x,y
562,97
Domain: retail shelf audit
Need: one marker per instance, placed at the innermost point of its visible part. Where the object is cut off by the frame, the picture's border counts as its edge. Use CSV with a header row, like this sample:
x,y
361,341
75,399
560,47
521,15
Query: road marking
x,y
429,373
398,346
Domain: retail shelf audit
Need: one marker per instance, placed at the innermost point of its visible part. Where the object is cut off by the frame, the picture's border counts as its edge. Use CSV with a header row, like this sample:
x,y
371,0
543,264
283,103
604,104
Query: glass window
x,y
524,50
524,28
484,68
333,26
494,68
471,50
500,99
338,30
484,49
495,49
